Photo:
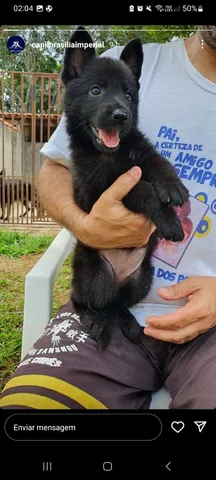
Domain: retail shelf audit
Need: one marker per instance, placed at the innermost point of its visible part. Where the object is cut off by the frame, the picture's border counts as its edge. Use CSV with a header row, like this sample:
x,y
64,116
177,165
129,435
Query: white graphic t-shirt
x,y
178,113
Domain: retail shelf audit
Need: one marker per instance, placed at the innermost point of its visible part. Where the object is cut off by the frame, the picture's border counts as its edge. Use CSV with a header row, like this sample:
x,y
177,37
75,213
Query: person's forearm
x,y
56,195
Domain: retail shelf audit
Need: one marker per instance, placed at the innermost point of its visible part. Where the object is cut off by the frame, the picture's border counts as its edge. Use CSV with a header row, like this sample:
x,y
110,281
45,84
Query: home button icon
x,y
107,466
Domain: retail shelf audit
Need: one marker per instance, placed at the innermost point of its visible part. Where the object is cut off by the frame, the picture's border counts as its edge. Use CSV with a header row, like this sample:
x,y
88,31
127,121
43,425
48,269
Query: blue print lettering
x,y
168,275
192,167
195,164
188,162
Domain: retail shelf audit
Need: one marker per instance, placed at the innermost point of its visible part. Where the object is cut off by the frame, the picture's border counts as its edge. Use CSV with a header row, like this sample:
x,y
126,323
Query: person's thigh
x,y
191,372
64,370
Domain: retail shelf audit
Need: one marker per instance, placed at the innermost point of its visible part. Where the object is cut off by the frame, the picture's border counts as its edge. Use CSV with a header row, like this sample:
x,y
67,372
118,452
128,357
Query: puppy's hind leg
x,y
93,291
97,324
132,292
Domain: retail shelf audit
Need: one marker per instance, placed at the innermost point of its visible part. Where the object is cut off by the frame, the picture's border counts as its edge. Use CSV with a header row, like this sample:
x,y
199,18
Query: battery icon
x,y
200,8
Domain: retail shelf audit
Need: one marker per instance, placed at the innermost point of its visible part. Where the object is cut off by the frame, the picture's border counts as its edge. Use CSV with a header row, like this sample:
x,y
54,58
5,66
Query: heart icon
x,y
177,426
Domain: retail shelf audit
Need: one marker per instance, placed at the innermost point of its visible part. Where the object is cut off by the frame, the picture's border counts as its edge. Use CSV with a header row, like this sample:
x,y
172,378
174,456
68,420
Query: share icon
x,y
200,425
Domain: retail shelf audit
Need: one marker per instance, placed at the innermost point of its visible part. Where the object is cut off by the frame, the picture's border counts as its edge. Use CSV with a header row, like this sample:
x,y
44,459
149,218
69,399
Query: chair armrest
x,y
39,284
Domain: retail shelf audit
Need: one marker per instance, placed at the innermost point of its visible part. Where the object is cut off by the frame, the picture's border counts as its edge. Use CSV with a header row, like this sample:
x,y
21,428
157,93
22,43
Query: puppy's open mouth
x,y
110,138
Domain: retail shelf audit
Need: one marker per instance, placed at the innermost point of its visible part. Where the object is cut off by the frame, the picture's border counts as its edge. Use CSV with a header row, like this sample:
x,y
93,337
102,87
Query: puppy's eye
x,y
96,90
128,95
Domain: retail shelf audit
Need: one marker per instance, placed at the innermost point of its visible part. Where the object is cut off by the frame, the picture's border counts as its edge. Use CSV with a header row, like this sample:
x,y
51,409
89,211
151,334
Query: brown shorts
x,y
64,370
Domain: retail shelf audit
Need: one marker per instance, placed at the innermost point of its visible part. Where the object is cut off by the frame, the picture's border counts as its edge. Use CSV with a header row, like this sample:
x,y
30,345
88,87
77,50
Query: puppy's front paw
x,y
172,230
172,192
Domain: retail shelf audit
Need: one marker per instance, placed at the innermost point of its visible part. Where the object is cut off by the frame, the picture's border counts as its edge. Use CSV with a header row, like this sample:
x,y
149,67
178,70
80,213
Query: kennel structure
x,y
30,110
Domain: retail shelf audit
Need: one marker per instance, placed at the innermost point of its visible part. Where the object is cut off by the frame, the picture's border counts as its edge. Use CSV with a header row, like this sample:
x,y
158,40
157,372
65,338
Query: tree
x,y
39,55
44,50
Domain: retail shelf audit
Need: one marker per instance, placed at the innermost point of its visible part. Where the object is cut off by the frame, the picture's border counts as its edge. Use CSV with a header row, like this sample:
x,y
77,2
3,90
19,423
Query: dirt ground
x,y
22,265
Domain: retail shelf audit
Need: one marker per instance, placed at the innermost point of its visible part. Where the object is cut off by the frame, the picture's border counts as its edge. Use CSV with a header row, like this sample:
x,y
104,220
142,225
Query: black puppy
x,y
101,109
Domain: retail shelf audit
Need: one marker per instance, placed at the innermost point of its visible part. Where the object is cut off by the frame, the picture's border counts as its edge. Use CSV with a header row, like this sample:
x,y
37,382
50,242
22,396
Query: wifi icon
x,y
159,8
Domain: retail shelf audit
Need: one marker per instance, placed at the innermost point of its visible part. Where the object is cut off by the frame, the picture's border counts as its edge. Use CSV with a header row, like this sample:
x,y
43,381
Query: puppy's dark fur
x,y
103,93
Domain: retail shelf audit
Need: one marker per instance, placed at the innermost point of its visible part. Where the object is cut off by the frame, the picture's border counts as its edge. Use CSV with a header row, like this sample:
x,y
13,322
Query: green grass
x,y
15,244
18,253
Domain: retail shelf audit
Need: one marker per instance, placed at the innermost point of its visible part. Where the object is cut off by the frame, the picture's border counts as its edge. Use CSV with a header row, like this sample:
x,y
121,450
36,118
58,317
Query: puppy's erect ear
x,y
77,55
132,55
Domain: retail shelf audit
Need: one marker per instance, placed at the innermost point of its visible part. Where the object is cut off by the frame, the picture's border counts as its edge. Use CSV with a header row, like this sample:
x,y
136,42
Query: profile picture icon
x,y
15,44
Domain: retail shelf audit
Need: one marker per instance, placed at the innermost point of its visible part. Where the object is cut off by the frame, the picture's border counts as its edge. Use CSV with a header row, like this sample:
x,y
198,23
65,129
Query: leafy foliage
x,y
47,57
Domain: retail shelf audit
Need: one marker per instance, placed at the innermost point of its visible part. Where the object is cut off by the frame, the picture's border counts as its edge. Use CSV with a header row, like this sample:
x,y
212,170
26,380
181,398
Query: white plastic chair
x,y
39,284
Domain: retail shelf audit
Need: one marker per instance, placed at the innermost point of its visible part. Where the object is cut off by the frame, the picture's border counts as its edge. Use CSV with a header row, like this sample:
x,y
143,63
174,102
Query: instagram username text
x,y
48,44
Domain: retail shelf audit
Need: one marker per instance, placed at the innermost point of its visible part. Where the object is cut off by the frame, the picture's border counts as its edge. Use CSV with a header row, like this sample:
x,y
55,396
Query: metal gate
x,y
30,110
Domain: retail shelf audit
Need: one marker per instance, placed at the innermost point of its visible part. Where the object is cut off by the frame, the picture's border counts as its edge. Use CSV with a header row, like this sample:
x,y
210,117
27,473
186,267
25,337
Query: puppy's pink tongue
x,y
110,139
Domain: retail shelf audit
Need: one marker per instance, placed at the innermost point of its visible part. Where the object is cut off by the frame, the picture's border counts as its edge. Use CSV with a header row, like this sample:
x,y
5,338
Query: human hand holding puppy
x,y
110,224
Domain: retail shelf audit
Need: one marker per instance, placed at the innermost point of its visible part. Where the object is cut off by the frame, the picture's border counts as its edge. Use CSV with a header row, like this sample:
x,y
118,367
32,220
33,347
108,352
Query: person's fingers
x,y
179,336
179,290
119,189
185,315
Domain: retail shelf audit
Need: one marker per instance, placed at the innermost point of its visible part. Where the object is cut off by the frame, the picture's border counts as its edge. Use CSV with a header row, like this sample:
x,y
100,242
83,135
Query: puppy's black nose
x,y
119,115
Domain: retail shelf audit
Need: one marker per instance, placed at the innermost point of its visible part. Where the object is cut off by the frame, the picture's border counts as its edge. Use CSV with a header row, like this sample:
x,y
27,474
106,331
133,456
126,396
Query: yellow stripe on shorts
x,y
31,400
60,386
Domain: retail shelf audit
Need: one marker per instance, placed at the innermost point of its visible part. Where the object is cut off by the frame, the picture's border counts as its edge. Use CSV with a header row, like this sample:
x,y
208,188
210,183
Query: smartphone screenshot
x,y
107,239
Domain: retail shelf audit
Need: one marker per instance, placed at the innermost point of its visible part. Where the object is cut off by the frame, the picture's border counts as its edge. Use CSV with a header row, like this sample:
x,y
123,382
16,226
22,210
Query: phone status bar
x,y
138,13
166,8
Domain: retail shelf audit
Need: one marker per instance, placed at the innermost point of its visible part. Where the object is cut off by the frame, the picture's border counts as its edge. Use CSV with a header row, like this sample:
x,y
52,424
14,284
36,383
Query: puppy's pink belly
x,y
123,262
